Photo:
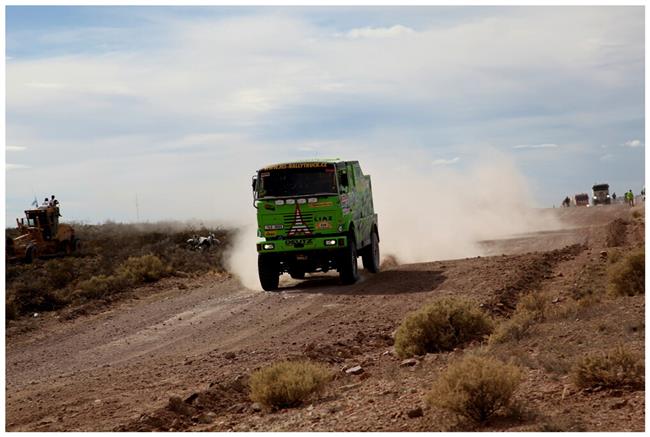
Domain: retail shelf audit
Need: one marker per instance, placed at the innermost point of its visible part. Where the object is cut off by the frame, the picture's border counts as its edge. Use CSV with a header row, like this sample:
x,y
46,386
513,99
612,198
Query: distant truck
x,y
314,216
581,199
601,194
41,235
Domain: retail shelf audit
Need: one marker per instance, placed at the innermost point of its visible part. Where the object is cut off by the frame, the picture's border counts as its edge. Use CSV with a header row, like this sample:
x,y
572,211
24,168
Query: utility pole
x,y
137,208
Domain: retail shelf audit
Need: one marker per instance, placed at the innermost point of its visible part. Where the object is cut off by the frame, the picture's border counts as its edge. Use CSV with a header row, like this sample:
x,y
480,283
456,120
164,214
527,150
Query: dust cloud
x,y
430,212
241,258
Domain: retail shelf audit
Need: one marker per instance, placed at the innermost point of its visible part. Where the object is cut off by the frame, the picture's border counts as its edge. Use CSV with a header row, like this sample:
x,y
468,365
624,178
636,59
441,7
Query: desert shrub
x,y
513,329
11,308
287,384
475,387
146,268
616,368
537,304
441,326
531,308
614,256
34,294
60,272
99,287
627,277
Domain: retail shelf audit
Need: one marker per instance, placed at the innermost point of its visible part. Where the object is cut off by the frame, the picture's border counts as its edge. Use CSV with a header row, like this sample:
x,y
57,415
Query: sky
x,y
165,113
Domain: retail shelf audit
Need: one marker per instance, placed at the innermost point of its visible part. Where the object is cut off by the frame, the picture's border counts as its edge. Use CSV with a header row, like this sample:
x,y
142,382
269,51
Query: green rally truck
x,y
314,216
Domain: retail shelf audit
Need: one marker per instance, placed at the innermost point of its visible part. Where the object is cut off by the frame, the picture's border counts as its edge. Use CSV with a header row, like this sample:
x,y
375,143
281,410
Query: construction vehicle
x,y
601,194
581,199
41,235
314,216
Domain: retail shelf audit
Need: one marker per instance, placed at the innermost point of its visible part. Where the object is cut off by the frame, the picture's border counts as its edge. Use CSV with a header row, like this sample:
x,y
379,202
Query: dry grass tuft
x,y
441,326
475,388
627,276
617,368
146,268
287,384
531,308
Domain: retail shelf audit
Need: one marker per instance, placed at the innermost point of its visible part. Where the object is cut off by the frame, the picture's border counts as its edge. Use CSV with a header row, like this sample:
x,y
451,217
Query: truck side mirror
x,y
254,182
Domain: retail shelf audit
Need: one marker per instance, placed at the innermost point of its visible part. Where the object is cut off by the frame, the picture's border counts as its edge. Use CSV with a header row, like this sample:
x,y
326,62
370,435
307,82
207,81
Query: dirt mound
x,y
616,232
532,271
341,350
199,407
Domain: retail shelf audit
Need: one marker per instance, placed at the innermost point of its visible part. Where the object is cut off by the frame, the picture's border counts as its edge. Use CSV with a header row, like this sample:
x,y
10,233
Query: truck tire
x,y
269,272
348,269
370,254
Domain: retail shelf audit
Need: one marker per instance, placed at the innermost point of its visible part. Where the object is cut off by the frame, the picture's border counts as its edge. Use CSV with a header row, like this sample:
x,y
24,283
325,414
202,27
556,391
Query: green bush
x,y
287,384
612,369
99,287
475,388
441,326
627,276
146,268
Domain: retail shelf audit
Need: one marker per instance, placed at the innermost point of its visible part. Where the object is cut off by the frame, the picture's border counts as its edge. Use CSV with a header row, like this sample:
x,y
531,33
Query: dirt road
x,y
117,369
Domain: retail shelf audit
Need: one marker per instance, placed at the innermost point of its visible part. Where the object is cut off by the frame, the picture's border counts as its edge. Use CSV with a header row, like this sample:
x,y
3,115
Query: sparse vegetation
x,y
114,258
627,276
475,388
441,326
287,384
617,368
531,308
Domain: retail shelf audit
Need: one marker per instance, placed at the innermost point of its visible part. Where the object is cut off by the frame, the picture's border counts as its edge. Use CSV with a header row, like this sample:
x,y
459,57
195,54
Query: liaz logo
x,y
323,222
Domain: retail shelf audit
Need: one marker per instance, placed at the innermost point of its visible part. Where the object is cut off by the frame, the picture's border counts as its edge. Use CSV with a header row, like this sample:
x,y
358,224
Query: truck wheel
x,y
370,255
348,270
268,272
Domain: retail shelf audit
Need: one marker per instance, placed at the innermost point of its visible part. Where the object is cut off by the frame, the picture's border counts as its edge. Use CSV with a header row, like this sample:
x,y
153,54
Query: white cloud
x,y
633,143
445,161
536,146
15,166
607,157
379,32
15,148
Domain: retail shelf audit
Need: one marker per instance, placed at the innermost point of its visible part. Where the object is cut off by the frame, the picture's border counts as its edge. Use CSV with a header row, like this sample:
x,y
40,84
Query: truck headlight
x,y
330,242
268,246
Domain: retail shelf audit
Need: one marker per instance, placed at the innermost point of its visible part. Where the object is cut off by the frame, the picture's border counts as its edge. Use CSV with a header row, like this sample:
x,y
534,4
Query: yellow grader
x,y
41,235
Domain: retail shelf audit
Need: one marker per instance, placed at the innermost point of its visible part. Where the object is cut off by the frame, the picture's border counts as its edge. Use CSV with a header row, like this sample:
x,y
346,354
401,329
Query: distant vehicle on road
x,y
601,194
581,199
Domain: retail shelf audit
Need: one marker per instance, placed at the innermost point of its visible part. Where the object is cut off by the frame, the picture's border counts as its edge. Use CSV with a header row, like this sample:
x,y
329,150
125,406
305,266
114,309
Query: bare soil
x,y
116,368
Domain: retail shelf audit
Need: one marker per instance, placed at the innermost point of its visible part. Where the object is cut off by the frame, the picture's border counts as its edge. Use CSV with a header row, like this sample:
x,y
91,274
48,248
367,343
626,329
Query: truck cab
x,y
601,194
314,216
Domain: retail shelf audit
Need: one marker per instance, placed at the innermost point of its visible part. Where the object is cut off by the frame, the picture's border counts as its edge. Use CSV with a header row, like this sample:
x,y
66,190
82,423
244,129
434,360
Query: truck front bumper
x,y
333,242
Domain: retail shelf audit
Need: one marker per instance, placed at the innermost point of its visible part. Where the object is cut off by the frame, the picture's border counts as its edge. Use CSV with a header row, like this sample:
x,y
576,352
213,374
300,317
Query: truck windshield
x,y
601,187
296,182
